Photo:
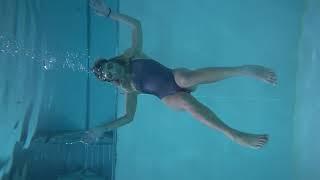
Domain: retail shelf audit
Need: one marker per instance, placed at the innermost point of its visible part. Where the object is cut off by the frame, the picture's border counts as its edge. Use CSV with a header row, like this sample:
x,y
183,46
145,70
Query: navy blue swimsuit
x,y
151,77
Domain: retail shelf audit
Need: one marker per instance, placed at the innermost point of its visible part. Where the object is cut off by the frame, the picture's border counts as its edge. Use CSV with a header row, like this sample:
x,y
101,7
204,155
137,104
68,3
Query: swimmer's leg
x,y
185,101
188,78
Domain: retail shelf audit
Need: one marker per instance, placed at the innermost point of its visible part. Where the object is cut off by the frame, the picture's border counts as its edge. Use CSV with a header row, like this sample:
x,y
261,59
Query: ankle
x,y
232,134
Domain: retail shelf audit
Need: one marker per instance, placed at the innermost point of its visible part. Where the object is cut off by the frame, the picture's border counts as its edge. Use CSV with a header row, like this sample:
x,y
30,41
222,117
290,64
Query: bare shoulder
x,y
131,53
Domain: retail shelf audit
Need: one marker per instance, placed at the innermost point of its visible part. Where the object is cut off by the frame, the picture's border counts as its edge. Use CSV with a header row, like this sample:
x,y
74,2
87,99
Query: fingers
x,y
262,140
272,77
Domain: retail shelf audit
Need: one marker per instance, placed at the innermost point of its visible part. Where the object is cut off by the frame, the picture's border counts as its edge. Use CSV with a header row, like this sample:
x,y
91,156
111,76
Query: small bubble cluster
x,y
71,60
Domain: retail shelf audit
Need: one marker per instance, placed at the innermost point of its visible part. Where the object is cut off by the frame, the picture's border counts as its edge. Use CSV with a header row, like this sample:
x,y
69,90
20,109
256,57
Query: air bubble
x,y
72,60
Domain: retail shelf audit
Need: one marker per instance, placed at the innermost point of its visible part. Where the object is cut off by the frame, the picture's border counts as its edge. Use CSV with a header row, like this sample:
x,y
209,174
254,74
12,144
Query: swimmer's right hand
x,y
100,8
93,135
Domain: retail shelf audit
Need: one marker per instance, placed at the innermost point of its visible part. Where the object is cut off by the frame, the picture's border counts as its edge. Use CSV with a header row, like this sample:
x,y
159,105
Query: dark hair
x,y
98,70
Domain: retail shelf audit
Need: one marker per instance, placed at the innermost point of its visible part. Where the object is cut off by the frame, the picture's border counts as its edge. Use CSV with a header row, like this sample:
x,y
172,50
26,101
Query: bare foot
x,y
265,74
254,141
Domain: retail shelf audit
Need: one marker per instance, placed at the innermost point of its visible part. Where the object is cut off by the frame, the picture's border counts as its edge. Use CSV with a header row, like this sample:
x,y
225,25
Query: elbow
x,y
129,118
136,24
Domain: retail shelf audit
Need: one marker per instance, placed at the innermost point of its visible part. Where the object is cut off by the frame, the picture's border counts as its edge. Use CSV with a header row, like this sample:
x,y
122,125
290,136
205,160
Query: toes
x,y
264,137
272,81
254,141
271,77
259,145
261,141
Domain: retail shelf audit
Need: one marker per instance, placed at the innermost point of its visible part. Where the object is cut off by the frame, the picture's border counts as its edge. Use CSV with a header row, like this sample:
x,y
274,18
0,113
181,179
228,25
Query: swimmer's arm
x,y
131,104
136,47
102,9
117,123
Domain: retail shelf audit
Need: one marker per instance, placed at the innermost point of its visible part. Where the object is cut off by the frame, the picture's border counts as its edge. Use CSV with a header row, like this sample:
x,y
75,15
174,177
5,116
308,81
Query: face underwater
x,y
113,71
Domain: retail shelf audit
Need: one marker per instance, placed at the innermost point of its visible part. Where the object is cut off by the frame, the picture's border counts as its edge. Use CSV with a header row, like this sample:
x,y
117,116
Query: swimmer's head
x,y
109,70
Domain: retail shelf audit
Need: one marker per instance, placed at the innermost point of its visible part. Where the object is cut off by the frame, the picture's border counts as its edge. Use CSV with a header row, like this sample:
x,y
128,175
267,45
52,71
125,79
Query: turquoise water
x,y
46,48
215,33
